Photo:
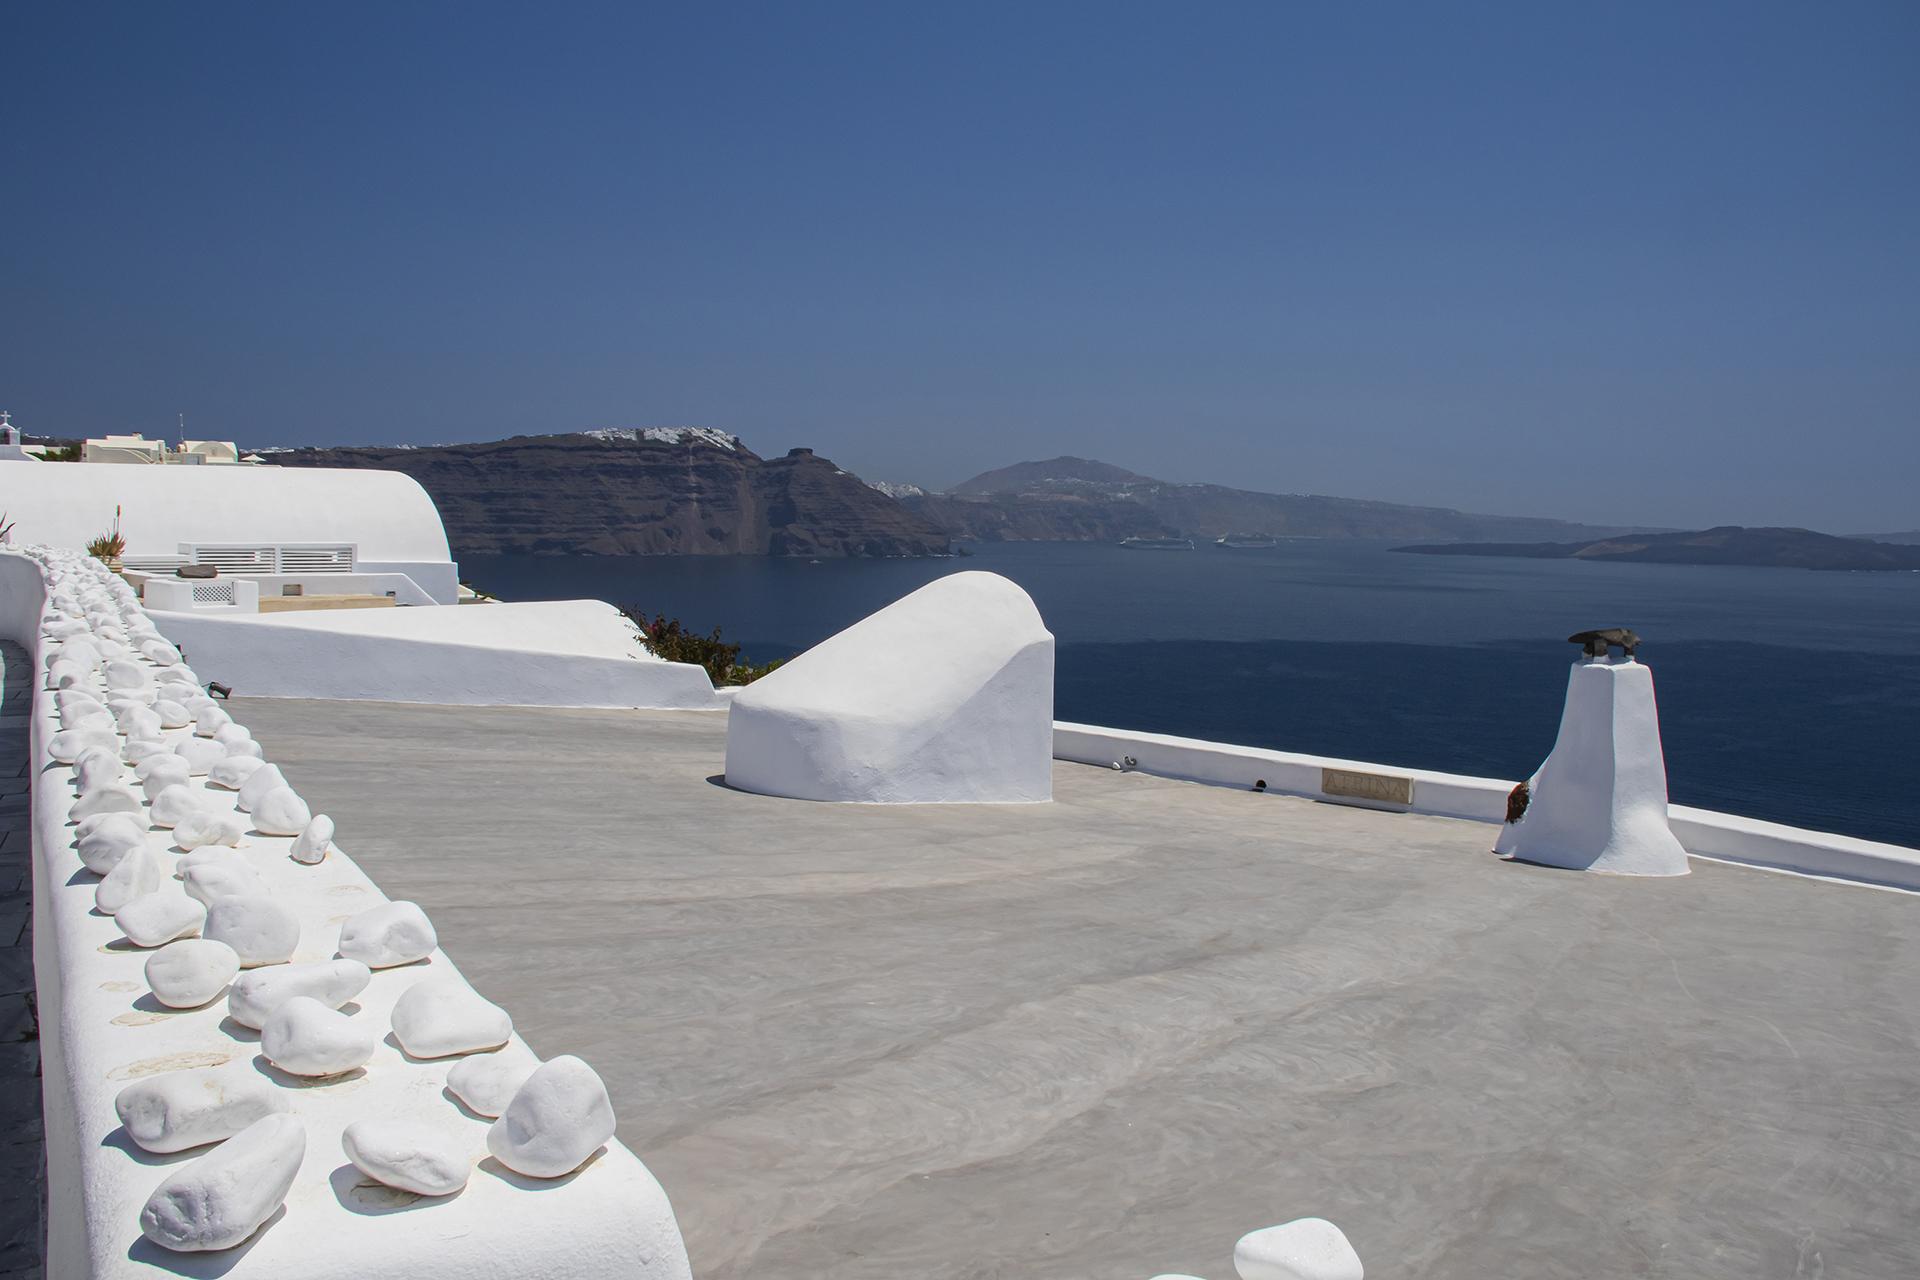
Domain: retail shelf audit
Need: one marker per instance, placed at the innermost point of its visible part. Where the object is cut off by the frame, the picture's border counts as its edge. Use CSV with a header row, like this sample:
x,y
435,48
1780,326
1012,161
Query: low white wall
x,y
568,653
1704,833
611,1219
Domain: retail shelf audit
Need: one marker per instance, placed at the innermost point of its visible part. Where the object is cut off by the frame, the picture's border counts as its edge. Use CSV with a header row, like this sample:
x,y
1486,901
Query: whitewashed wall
x,y
563,653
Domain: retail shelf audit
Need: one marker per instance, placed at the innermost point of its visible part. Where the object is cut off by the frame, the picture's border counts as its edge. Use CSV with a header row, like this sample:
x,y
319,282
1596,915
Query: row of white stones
x,y
152,751
1304,1249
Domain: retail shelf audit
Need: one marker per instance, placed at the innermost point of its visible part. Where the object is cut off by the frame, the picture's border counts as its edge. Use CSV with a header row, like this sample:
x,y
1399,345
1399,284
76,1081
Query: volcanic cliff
x,y
658,491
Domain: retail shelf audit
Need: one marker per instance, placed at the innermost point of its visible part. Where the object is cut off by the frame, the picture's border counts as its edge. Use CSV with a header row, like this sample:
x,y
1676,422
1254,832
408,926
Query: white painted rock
x,y
94,768
259,992
220,1199
281,813
66,745
486,1082
138,722
246,750
305,1038
255,788
201,754
210,719
1306,1249
127,675
315,843
391,934
108,841
169,762
138,749
175,803
440,1017
159,653
157,773
95,720
259,930
231,771
191,972
560,1116
68,674
181,1109
136,875
867,716
198,830
111,797
205,856
172,714
206,882
409,1154
155,919
232,734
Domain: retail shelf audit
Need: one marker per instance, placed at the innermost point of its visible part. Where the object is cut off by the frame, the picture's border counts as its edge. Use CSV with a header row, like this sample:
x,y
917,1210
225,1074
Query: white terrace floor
x,y
1106,1036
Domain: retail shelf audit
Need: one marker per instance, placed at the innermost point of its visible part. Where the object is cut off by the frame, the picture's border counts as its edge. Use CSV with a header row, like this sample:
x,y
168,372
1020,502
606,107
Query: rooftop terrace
x,y
1109,1035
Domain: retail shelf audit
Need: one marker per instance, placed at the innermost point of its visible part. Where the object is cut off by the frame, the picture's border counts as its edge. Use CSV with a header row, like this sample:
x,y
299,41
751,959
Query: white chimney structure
x,y
1599,803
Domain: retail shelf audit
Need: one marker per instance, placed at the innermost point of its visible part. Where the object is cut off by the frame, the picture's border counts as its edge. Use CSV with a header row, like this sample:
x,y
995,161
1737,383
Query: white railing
x,y
287,557
152,564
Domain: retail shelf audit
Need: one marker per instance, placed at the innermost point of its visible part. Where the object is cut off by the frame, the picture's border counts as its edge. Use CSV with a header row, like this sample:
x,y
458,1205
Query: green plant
x,y
6,527
669,639
62,453
109,546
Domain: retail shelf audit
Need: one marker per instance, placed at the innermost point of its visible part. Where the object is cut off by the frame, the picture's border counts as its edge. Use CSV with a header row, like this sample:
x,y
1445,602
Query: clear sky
x,y
1653,263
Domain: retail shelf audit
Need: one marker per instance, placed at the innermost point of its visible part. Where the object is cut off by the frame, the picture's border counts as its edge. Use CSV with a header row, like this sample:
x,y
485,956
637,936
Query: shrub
x,y
670,639
109,546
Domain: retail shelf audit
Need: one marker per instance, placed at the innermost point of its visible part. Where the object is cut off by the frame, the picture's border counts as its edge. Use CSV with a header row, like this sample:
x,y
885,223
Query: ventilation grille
x,y
213,591
236,559
316,559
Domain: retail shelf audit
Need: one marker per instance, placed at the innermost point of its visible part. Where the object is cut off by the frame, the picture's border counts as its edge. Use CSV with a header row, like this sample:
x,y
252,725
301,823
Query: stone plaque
x,y
1375,788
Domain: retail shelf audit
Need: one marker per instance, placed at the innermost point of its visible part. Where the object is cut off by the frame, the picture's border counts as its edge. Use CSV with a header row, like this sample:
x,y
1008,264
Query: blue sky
x,y
1652,262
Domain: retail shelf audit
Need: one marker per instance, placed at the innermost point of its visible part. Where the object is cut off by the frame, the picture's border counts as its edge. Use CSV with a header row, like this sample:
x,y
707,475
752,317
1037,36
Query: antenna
x,y
183,430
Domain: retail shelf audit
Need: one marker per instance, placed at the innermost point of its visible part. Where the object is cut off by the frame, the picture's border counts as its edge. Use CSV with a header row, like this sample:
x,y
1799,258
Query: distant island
x,y
1725,544
1070,499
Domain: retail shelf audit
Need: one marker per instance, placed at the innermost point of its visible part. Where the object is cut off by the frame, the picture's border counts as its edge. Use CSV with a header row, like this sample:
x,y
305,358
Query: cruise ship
x,y
364,929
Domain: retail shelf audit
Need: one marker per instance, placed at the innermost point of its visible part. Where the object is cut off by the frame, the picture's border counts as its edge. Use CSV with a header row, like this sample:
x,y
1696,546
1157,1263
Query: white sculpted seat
x,y
944,696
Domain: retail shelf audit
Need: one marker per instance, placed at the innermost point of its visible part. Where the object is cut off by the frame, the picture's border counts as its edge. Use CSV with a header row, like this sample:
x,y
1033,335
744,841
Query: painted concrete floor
x,y
1106,1036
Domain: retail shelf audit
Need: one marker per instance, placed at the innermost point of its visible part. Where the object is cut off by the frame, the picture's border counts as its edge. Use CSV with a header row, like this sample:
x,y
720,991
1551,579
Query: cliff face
x,y
659,492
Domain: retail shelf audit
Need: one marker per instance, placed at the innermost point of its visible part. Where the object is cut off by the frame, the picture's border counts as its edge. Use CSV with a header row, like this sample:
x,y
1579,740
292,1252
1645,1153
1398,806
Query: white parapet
x,y
944,696
136,1086
1599,803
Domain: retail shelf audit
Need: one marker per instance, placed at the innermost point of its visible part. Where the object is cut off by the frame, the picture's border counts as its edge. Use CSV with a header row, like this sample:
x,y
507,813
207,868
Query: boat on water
x,y
1157,544
1247,541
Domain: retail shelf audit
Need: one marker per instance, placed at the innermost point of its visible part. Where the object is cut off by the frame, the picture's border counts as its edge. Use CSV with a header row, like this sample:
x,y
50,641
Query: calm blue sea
x,y
1784,694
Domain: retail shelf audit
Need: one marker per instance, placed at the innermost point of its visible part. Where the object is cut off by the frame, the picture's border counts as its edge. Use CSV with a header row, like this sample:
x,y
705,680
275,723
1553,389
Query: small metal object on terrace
x,y
1596,643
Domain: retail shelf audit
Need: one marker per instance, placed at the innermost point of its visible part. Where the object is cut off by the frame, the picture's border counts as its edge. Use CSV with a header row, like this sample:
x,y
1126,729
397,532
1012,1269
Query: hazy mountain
x,y
1078,499
659,491
1726,544
1055,473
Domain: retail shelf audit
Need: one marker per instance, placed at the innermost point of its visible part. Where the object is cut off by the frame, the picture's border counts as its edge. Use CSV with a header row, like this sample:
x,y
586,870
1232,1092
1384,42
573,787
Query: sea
x,y
1785,694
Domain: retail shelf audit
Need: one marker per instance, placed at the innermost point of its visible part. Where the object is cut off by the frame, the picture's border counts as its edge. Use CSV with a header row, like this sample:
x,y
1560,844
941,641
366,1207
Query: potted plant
x,y
109,546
